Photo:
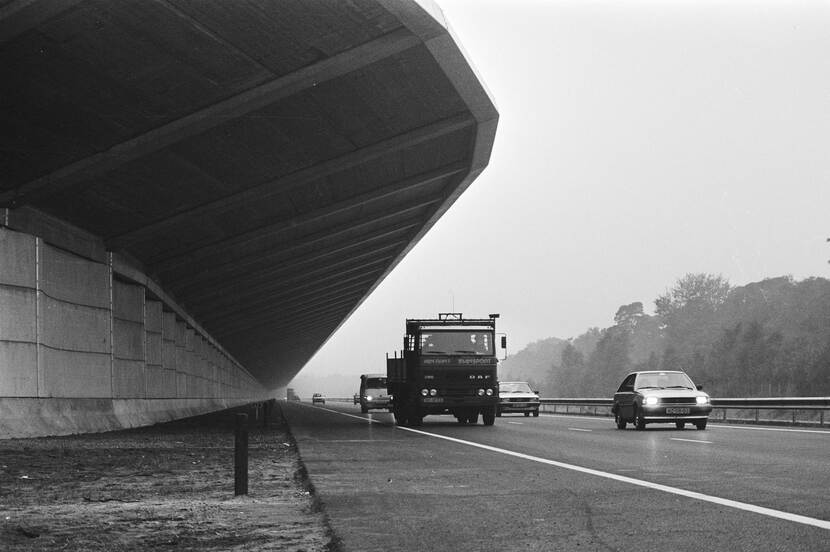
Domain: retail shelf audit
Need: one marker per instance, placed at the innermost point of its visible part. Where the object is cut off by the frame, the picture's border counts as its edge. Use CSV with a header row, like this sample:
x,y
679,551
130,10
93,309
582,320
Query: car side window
x,y
627,384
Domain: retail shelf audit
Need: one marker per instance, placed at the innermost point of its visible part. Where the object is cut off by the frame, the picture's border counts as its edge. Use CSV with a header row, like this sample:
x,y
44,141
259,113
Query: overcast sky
x,y
637,142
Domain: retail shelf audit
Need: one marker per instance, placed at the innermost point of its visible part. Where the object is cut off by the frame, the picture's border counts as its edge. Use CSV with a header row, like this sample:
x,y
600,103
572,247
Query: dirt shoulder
x,y
164,487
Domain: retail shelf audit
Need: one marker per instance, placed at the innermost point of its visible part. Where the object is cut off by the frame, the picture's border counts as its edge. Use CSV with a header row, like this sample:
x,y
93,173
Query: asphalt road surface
x,y
563,483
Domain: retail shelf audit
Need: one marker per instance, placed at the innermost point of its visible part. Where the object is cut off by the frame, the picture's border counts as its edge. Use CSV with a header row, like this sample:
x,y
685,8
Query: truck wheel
x,y
413,416
472,418
620,422
536,413
364,409
489,416
400,418
701,425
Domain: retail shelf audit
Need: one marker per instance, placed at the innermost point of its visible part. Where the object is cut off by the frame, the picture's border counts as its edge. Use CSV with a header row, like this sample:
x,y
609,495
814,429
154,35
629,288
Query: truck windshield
x,y
457,343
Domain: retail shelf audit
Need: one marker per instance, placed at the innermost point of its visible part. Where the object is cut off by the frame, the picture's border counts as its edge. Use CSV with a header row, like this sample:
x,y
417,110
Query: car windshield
x,y
663,380
515,387
457,343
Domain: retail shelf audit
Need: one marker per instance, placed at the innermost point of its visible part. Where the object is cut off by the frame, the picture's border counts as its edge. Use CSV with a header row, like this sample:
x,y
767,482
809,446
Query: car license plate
x,y
677,411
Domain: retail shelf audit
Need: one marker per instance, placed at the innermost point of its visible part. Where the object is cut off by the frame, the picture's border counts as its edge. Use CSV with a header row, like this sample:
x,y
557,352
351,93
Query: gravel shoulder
x,y
163,487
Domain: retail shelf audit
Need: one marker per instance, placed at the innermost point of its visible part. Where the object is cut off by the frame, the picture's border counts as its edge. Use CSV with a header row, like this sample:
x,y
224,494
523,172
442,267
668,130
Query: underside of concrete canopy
x,y
248,171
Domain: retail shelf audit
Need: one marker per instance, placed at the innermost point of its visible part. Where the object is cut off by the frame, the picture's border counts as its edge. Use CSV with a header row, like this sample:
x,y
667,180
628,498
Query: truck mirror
x,y
504,342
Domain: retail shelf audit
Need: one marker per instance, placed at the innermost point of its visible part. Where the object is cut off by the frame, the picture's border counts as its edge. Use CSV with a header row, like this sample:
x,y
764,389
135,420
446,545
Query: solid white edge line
x,y
820,523
689,440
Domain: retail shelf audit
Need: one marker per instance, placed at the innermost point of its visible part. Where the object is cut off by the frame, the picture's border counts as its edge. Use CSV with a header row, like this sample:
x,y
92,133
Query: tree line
x,y
769,338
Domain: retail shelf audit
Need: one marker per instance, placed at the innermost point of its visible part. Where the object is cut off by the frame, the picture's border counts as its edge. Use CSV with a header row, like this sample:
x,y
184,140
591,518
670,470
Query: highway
x,y
562,483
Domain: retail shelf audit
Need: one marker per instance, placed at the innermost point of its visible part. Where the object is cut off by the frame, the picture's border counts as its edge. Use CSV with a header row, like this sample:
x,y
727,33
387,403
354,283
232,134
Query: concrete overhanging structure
x,y
195,195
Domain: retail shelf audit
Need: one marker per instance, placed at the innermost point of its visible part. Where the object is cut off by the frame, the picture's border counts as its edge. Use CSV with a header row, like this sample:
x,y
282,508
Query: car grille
x,y
677,400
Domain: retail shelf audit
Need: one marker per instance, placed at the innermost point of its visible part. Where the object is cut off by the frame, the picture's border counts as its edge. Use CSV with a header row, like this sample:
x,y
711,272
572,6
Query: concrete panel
x,y
152,316
128,379
127,301
181,385
168,326
19,254
71,374
18,369
168,355
18,310
169,383
74,279
27,417
153,347
74,327
154,377
128,338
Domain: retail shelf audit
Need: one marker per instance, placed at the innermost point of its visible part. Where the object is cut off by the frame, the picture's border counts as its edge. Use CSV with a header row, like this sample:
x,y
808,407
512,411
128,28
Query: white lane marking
x,y
750,428
823,524
688,440
515,423
580,429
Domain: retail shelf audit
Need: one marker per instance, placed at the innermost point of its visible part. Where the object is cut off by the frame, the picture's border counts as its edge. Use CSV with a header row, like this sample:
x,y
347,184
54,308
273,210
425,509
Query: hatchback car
x,y
318,398
660,396
517,396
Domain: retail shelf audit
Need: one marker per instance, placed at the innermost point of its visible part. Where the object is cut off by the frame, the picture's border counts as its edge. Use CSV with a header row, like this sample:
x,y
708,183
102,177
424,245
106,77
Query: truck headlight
x,y
650,401
433,392
702,400
424,392
489,392
480,392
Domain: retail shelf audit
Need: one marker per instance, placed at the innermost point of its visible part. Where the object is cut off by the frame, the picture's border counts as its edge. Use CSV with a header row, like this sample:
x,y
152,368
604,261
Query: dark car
x,y
517,396
318,398
660,396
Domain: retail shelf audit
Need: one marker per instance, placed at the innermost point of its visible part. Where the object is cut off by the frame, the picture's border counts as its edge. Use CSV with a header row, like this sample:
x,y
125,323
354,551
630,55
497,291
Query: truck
x,y
291,395
448,365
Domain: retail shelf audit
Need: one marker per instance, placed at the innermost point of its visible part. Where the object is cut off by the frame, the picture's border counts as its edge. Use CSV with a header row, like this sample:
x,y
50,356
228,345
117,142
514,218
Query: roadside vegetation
x,y
769,338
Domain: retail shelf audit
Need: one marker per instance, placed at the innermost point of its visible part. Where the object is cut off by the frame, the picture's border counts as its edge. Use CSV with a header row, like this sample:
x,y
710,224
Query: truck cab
x,y
448,365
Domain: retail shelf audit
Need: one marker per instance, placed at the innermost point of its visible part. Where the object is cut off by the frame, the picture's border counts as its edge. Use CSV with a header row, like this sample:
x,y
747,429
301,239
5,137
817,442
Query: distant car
x,y
660,397
356,398
517,396
318,398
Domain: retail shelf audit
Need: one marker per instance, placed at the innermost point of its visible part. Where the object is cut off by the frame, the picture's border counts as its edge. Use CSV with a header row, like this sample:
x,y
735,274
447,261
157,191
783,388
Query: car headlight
x,y
651,401
702,400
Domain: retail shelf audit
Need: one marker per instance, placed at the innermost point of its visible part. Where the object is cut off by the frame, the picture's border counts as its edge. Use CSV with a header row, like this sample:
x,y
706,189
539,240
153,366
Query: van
x,y
373,394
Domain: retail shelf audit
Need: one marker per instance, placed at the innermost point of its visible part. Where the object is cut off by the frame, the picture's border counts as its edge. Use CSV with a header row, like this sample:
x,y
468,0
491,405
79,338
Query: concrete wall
x,y
84,347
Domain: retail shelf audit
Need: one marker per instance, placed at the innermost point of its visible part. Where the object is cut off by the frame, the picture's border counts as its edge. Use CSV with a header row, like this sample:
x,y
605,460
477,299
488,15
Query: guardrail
x,y
803,410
